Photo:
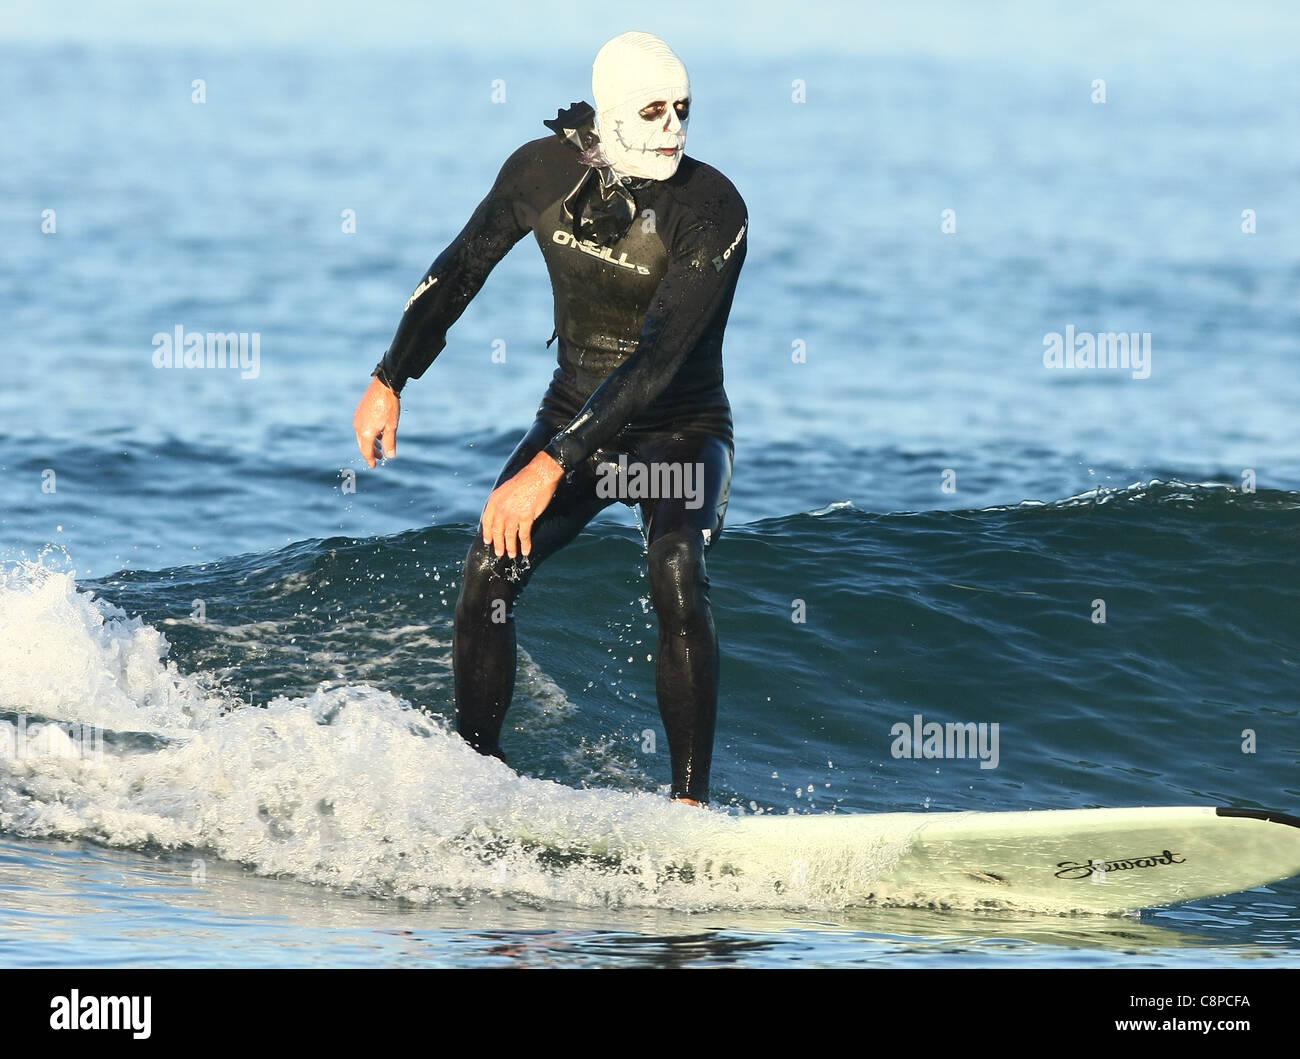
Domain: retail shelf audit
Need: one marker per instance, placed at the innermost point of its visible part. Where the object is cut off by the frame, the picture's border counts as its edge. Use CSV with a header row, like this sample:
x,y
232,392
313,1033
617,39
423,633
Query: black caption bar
x,y
146,1008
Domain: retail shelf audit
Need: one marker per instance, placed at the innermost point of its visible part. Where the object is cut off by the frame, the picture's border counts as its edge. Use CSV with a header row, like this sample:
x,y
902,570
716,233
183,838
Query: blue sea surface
x,y
198,565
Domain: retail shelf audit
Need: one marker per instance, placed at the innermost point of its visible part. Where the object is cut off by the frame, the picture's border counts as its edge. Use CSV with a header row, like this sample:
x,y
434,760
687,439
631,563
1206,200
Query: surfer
x,y
643,245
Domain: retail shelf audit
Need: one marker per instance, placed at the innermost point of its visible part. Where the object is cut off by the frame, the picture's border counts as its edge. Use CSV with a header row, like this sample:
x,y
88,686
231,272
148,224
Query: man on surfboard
x,y
643,245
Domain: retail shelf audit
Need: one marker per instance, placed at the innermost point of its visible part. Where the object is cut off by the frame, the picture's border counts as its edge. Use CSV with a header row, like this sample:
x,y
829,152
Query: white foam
x,y
347,786
68,656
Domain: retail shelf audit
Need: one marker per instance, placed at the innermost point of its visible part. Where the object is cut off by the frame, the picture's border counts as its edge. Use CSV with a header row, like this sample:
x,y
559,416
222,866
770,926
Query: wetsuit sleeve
x,y
696,289
458,273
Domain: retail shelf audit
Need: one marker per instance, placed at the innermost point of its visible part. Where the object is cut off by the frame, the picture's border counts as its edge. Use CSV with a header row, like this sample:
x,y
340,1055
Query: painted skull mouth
x,y
644,148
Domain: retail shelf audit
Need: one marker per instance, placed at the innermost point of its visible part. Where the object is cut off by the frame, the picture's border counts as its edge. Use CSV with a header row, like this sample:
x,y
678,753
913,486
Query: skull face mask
x,y
642,101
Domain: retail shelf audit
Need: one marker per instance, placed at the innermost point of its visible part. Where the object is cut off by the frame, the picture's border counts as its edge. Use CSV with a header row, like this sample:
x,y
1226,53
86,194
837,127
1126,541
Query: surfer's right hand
x,y
376,420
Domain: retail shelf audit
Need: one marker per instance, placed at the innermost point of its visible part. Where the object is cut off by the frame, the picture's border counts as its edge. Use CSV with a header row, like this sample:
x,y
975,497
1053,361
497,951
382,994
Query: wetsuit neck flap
x,y
598,210
576,125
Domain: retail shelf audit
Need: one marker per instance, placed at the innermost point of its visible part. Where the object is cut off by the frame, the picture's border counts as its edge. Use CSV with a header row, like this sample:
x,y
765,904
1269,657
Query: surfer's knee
x,y
678,579
488,583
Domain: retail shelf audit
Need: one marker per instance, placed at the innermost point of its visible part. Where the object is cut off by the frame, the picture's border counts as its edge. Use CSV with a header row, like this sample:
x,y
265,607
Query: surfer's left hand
x,y
514,505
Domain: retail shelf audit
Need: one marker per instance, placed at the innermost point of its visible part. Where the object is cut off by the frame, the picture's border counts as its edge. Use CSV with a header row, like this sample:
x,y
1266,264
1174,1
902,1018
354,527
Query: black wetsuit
x,y
643,274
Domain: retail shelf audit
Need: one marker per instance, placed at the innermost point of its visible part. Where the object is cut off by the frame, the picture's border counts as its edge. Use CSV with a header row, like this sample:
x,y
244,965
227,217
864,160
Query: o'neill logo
x,y
1070,869
605,253
721,259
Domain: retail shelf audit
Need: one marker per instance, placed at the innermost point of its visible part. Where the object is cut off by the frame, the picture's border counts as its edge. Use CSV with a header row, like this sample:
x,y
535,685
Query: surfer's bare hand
x,y
375,420
514,505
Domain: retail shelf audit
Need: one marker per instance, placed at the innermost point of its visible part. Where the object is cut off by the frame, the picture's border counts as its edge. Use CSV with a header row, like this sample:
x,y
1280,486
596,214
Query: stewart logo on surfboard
x,y
1070,869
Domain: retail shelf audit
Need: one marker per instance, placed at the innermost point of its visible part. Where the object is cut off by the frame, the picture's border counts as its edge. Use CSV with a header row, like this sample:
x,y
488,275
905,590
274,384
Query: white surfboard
x,y
1058,860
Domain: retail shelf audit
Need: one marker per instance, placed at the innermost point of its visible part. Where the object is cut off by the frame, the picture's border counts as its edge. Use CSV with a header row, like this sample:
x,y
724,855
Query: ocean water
x,y
200,571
